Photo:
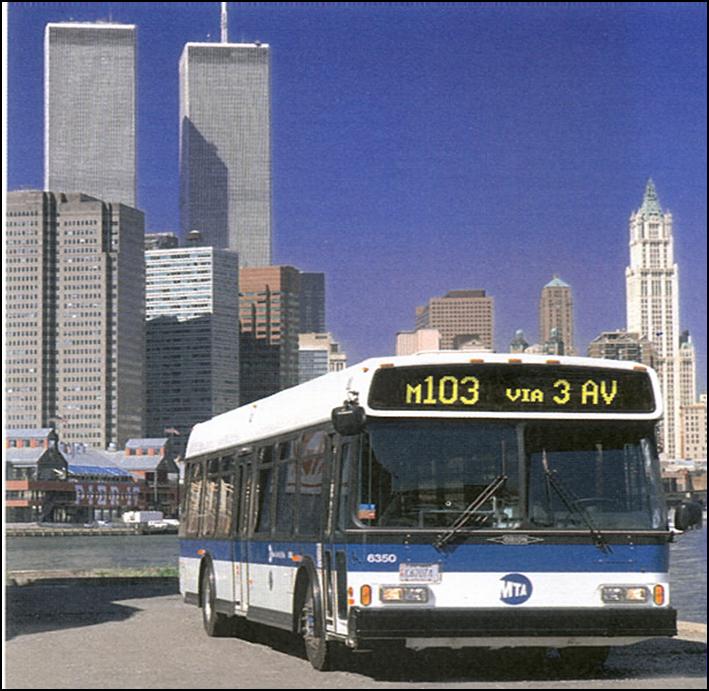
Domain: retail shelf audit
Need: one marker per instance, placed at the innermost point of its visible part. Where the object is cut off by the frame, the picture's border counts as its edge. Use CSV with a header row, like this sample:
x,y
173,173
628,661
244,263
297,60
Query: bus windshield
x,y
433,474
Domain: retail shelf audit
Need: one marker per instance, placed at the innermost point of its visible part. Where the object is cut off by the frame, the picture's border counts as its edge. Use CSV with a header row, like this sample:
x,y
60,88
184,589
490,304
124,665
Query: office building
x,y
90,110
652,300
192,332
75,306
622,345
461,317
556,311
161,241
687,363
519,343
694,431
312,302
269,320
318,354
410,342
225,147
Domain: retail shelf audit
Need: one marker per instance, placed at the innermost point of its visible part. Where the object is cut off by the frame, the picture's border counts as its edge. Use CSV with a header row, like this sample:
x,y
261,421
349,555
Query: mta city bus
x,y
445,499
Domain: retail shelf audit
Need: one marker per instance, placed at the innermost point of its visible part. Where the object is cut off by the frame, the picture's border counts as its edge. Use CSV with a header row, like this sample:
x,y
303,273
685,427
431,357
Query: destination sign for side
x,y
494,387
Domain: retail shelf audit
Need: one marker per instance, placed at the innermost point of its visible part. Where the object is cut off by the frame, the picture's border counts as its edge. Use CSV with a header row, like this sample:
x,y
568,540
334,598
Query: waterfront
x,y
688,563
100,552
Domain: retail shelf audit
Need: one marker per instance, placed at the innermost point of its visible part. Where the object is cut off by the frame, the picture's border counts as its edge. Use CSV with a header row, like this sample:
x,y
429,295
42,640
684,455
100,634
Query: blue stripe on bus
x,y
456,558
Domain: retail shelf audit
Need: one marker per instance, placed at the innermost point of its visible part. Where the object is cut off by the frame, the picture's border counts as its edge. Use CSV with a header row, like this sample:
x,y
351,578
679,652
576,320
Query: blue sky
x,y
420,148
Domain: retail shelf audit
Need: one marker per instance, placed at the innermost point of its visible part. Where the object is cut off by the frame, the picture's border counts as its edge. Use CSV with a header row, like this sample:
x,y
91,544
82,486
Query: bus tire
x,y
318,649
216,624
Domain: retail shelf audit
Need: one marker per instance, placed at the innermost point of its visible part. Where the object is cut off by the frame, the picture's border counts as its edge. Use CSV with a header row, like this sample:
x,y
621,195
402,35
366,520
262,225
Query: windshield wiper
x,y
573,506
470,511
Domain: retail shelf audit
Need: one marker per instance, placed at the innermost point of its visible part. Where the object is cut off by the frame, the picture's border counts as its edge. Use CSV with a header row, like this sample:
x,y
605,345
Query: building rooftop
x,y
26,433
556,282
154,443
651,202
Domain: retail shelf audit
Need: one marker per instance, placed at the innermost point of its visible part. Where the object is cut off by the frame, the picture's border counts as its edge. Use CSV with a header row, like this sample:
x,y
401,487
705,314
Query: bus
x,y
439,500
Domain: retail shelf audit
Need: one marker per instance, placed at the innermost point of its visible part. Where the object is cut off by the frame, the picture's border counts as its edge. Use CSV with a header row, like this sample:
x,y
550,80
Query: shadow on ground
x,y
58,604
400,665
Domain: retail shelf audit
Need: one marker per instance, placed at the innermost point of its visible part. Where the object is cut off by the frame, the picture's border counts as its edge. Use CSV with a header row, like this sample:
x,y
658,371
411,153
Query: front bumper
x,y
541,623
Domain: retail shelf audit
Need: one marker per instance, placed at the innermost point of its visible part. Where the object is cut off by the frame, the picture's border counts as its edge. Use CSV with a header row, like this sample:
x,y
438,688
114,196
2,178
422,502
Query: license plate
x,y
419,573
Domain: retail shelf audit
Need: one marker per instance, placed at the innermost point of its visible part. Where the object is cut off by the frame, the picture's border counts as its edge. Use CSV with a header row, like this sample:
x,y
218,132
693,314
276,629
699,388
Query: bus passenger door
x,y
241,564
335,563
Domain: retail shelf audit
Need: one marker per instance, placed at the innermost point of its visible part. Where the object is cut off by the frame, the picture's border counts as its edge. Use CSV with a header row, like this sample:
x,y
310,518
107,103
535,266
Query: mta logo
x,y
516,589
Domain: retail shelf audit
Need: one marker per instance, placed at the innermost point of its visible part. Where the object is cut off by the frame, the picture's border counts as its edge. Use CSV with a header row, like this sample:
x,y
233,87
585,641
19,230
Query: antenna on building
x,y
225,27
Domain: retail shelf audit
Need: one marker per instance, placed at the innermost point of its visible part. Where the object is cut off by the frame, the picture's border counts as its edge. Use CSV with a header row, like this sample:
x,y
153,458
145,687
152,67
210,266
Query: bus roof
x,y
311,403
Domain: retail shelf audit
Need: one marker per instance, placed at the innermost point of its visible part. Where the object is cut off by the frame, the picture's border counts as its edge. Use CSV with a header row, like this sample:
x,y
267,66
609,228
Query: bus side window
x,y
343,508
226,497
310,470
193,498
210,505
247,481
264,491
286,494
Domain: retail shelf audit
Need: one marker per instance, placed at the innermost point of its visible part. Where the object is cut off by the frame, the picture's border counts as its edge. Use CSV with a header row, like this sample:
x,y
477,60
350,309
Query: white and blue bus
x,y
445,499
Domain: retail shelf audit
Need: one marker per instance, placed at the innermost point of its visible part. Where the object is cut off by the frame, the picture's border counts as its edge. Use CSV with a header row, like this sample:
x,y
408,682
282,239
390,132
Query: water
x,y
688,562
93,552
688,575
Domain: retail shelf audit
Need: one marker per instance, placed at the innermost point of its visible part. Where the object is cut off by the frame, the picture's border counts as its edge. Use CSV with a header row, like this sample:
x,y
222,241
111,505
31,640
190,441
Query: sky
x,y
419,148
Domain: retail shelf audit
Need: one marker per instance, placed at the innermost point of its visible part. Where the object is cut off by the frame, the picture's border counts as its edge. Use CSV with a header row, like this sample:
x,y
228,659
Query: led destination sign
x,y
493,387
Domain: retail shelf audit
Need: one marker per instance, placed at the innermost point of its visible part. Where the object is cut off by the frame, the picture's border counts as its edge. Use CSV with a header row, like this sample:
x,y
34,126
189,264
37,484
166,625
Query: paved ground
x,y
139,634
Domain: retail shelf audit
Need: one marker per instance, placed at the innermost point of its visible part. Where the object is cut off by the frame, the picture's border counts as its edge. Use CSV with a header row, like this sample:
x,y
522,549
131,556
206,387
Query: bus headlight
x,y
624,594
403,593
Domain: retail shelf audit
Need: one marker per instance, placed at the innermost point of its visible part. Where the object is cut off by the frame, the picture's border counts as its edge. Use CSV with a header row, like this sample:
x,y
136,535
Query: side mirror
x,y
348,420
688,515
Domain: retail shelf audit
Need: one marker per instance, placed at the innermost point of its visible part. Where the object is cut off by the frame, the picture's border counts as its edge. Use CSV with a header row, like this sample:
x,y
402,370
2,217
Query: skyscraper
x,y
556,311
621,345
225,147
687,357
312,302
75,317
652,291
461,317
90,110
192,333
269,319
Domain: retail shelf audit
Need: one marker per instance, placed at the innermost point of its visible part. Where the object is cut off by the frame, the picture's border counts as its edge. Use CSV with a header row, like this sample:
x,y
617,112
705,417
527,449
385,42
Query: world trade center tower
x,y
225,147
90,110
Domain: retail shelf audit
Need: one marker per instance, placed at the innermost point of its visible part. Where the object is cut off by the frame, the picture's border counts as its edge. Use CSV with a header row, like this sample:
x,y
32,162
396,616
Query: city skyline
x,y
418,150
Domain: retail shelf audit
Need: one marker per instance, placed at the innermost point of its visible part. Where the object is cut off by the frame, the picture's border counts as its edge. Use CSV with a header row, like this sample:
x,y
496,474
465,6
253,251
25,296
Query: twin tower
x,y
224,126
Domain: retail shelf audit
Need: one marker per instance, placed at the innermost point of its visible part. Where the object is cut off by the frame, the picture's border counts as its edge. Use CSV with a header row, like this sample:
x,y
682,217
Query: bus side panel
x,y
189,576
272,569
223,564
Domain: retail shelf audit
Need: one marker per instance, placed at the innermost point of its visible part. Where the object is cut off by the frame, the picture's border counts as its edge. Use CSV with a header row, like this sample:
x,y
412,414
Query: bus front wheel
x,y
317,648
215,623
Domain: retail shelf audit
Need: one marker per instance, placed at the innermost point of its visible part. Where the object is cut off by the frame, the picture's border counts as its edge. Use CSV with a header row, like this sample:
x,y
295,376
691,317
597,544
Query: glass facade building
x,y
225,147
192,333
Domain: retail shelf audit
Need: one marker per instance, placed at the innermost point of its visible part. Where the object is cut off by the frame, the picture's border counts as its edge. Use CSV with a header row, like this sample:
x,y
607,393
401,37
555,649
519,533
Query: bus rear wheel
x,y
215,623
318,649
